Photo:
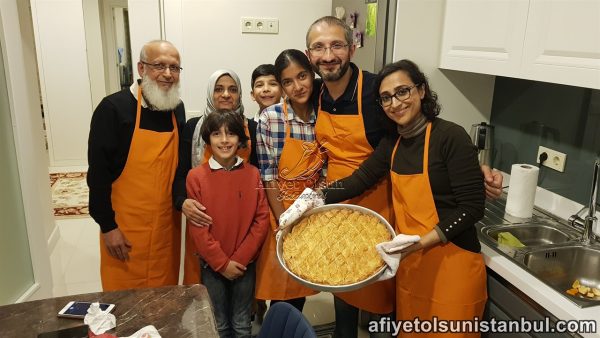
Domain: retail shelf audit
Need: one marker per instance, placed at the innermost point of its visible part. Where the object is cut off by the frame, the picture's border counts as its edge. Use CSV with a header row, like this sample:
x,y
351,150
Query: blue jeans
x,y
231,300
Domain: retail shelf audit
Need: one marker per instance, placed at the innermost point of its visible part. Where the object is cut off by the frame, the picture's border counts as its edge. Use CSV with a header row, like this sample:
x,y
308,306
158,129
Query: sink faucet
x,y
590,219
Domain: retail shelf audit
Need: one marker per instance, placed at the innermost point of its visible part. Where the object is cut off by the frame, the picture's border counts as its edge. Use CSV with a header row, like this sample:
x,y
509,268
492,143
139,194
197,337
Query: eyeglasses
x,y
336,48
162,67
401,94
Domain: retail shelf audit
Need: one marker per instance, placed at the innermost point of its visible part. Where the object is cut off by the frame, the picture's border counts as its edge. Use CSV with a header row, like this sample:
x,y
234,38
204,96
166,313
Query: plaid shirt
x,y
270,136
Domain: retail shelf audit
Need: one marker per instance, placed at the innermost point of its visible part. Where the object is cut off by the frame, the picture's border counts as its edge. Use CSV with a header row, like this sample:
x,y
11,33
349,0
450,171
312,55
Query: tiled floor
x,y
76,259
76,268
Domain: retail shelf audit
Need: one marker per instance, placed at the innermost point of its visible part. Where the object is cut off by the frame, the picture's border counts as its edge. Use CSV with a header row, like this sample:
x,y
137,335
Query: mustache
x,y
335,62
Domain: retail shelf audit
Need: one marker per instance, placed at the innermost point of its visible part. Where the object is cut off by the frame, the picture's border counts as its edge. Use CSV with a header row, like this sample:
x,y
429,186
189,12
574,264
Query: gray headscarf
x,y
212,82
197,142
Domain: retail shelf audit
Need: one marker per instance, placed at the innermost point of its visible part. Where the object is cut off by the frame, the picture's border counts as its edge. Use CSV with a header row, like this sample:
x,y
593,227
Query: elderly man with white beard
x,y
132,157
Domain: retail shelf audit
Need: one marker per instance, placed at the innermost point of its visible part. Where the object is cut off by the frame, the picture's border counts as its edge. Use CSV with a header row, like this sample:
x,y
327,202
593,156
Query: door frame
x,y
109,40
18,49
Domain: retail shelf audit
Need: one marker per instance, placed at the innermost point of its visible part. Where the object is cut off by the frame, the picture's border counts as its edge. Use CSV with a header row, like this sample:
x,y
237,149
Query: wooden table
x,y
176,311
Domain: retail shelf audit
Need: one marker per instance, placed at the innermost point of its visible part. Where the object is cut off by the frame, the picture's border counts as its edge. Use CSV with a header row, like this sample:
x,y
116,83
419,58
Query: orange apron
x,y
444,280
191,264
299,167
347,147
141,198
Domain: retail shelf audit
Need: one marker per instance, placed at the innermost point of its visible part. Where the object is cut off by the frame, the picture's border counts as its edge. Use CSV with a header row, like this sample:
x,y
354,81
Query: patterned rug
x,y
69,195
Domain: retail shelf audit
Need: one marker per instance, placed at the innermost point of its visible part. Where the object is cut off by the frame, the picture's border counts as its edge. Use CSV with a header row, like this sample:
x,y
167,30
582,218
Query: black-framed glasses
x,y
336,48
161,67
402,94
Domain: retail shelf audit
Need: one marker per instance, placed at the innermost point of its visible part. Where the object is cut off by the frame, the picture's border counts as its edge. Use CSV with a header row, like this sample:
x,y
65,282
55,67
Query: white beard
x,y
157,97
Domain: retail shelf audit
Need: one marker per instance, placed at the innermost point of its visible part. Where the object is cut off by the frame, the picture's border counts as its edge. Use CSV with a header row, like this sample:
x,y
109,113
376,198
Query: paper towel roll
x,y
521,192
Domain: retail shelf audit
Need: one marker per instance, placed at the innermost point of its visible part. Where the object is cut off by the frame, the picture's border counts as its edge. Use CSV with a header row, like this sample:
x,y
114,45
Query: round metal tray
x,y
323,287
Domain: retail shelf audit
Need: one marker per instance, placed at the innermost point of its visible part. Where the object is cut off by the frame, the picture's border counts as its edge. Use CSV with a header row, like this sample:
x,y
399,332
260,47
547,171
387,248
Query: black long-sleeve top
x,y
110,137
454,175
185,158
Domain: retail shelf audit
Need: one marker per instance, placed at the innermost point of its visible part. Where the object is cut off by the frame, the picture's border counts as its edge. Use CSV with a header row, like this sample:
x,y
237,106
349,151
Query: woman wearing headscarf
x,y
224,92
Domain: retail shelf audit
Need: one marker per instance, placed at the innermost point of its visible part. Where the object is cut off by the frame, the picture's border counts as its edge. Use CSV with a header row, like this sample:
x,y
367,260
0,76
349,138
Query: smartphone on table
x,y
79,309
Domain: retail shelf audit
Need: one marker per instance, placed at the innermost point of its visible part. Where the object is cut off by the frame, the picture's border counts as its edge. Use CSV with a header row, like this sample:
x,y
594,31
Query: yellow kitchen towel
x,y
509,239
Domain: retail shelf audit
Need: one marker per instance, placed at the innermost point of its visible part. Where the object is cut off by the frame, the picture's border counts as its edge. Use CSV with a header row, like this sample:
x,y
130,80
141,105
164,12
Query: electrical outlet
x,y
556,160
260,25
248,25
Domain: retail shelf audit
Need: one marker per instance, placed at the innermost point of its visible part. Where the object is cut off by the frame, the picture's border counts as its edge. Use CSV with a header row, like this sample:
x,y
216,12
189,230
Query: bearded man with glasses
x,y
349,129
132,156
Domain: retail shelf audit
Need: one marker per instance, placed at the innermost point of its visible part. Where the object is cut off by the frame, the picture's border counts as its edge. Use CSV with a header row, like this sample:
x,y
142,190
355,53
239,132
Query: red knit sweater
x,y
238,206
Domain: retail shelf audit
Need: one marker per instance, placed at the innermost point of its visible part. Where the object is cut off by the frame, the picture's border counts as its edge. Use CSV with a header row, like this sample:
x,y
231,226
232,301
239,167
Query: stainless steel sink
x,y
530,234
553,250
560,266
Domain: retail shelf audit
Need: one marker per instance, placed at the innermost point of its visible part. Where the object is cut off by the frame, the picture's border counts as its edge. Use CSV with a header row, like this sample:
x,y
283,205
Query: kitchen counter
x,y
548,298
539,292
175,311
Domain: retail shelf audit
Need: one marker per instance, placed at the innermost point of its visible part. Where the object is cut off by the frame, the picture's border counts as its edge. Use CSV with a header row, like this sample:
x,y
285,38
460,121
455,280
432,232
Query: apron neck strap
x,y
359,91
425,150
285,119
138,112
359,86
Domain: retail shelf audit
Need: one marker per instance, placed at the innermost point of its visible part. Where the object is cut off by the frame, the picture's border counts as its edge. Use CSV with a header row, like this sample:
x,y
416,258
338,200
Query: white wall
x,y
208,36
65,83
23,91
144,25
466,98
206,32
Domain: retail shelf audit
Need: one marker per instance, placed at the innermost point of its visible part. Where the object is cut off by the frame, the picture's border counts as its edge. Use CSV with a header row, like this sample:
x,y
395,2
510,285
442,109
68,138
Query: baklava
x,y
335,247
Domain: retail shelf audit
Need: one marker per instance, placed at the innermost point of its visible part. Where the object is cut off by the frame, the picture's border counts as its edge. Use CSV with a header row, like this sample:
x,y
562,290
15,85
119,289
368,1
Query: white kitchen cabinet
x,y
562,43
554,41
484,36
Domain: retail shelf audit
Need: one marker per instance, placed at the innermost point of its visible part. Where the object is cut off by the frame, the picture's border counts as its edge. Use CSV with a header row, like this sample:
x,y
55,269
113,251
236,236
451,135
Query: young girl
x,y
230,244
266,91
289,161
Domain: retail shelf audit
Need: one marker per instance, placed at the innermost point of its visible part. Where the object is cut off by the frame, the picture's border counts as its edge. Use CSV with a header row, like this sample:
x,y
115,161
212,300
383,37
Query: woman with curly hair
x,y
438,194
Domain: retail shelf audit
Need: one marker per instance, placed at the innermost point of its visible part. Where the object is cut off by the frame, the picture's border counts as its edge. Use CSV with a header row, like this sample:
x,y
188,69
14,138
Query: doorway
x,y
117,51
15,257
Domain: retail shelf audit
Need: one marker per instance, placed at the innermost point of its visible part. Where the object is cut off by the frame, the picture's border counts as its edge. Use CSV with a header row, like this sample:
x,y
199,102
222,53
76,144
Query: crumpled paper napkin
x,y
99,321
390,253
309,199
146,332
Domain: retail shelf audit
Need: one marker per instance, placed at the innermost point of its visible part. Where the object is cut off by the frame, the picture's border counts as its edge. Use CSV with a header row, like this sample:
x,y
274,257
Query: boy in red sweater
x,y
233,195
